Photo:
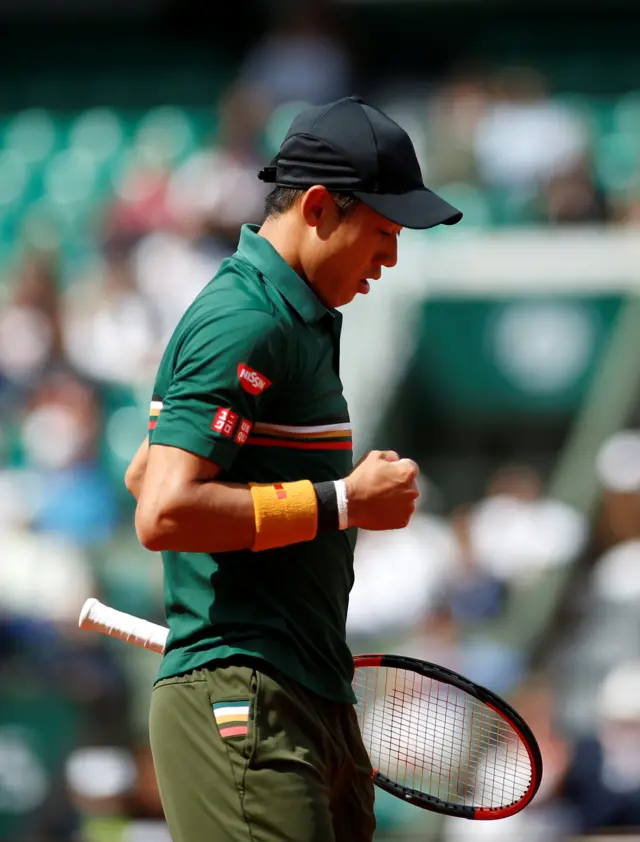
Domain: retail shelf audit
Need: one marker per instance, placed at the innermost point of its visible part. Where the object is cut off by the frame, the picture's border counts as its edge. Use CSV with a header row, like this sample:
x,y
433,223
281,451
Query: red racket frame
x,y
486,697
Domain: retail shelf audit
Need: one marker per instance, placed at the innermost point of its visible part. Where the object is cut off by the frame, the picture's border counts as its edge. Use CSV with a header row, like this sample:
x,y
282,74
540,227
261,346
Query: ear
x,y
314,204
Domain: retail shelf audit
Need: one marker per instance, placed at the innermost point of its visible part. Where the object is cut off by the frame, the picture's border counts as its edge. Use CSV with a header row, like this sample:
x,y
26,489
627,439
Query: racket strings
x,y
434,738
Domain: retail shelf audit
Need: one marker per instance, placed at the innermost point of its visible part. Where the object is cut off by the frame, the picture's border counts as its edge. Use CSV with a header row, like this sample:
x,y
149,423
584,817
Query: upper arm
x,y
225,370
168,471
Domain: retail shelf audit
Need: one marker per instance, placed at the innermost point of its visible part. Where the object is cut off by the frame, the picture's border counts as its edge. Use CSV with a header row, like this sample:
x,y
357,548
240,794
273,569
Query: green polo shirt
x,y
250,380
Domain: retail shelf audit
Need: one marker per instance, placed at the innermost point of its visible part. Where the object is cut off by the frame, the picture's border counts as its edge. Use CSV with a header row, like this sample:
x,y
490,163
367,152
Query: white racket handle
x,y
95,616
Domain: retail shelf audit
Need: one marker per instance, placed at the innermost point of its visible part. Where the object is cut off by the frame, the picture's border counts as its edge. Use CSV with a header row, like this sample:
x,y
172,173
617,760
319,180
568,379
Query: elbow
x,y
148,534
129,481
133,481
152,529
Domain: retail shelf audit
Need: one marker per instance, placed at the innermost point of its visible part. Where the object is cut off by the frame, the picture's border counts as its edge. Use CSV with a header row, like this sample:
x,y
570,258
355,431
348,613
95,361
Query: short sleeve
x,y
226,369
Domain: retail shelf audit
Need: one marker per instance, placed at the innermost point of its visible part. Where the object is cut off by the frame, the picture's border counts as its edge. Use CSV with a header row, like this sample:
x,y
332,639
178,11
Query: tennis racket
x,y
435,739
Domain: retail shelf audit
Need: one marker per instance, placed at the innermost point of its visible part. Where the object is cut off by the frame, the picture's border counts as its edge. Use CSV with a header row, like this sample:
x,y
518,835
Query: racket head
x,y
442,742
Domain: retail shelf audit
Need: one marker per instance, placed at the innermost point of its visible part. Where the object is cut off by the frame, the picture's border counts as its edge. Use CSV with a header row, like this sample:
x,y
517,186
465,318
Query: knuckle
x,y
410,469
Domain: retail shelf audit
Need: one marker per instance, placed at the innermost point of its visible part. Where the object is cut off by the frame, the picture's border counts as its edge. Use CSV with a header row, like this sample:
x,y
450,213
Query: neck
x,y
281,232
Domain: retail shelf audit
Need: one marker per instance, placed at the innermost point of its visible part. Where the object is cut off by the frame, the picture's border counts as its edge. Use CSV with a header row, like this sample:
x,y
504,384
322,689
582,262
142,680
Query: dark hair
x,y
282,199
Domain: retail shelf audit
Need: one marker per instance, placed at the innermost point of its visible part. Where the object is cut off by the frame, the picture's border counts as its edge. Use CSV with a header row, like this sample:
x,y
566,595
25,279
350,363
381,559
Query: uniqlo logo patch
x,y
243,431
224,422
251,380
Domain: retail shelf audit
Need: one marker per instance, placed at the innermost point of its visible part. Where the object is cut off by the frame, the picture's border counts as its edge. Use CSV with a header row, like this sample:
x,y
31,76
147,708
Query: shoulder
x,y
238,295
230,317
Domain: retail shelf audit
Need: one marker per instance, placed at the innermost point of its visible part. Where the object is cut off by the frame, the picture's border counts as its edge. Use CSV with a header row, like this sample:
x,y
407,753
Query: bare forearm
x,y
205,517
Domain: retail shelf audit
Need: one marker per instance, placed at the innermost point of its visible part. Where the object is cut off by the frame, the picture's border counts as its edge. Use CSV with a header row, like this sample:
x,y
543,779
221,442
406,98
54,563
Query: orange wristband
x,y
286,513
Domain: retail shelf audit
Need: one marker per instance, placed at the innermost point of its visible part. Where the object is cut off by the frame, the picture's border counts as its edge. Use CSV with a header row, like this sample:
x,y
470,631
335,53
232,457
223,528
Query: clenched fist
x,y
382,491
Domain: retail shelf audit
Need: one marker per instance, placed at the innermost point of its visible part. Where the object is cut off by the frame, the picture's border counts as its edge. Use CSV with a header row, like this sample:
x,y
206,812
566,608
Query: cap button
x,y
356,98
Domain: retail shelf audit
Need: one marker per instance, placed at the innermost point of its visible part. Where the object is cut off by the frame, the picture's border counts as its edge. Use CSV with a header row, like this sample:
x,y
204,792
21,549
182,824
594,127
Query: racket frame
x,y
486,697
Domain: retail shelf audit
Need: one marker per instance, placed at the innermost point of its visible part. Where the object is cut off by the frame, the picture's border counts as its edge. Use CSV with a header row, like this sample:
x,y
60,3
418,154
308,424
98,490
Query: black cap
x,y
350,146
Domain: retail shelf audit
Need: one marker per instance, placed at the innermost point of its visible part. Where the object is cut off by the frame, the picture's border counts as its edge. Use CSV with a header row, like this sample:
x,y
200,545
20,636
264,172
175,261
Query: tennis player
x,y
248,490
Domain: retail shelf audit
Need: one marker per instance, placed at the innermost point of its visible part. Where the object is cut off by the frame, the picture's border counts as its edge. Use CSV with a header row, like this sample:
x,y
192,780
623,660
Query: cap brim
x,y
416,209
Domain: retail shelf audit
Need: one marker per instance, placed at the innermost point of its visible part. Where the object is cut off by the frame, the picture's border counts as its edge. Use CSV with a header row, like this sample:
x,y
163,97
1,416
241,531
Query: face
x,y
341,254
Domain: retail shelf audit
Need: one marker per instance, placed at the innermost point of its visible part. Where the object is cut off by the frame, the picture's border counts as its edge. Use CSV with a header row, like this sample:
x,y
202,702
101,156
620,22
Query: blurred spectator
x,y
618,471
60,438
521,482
209,198
112,782
602,785
438,637
590,784
56,691
399,575
99,778
170,270
217,190
30,324
474,594
140,203
525,137
517,533
111,334
42,576
301,58
573,198
453,114
143,800
626,208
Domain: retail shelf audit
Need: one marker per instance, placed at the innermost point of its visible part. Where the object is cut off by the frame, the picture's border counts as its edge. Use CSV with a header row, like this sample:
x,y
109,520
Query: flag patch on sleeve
x,y
232,718
155,407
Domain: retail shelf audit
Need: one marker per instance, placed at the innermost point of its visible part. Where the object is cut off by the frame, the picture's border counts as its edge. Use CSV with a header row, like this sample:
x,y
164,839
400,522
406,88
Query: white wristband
x,y
343,507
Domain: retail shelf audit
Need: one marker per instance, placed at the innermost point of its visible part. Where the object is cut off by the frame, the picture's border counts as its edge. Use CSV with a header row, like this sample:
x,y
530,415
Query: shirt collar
x,y
268,262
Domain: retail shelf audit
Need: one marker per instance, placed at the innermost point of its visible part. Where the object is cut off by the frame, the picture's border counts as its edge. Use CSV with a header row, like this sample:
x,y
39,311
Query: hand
x,y
382,491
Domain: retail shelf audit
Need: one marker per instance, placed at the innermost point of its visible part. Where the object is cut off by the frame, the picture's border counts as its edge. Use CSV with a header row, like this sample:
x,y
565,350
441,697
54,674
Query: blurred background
x,y
503,355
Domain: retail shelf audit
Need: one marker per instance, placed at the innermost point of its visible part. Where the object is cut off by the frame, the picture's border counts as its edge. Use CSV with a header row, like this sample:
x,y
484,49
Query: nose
x,y
391,253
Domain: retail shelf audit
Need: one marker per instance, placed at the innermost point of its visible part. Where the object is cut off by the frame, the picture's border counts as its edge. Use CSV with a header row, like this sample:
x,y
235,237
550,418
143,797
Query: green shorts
x,y
244,755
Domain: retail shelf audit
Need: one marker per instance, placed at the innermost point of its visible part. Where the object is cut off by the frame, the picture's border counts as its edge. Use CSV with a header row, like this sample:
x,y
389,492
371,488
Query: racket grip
x,y
95,616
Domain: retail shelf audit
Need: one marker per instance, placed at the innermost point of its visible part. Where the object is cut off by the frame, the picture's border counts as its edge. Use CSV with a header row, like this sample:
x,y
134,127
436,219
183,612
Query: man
x,y
247,489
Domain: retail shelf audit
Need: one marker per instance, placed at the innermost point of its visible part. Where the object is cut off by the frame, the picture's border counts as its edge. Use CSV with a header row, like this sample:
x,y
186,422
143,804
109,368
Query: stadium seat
x,y
70,177
626,114
32,133
617,160
277,125
98,132
14,178
165,135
